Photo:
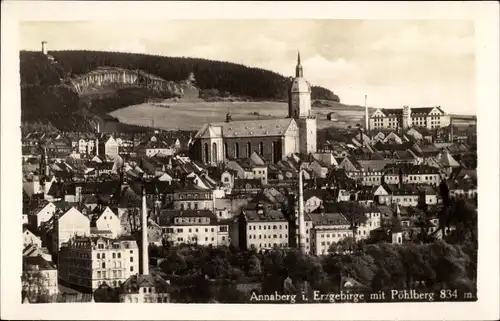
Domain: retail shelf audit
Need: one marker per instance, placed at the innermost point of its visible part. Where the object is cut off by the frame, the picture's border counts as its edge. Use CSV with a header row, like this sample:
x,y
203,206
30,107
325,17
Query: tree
x,y
254,266
34,285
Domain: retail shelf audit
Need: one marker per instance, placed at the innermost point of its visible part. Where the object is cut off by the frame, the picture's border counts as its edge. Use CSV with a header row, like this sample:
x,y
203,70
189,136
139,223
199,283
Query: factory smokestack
x,y
144,234
44,48
46,157
302,236
367,125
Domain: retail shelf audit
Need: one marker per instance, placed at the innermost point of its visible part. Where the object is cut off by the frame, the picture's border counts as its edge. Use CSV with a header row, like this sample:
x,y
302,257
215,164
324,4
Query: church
x,y
274,139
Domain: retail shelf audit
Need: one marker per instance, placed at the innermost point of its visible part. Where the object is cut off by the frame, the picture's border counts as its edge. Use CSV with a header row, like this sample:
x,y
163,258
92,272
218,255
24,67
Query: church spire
x,y
298,70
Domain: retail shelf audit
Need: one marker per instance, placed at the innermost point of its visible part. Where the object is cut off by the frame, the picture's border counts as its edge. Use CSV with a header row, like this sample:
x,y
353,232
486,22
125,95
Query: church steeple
x,y
298,70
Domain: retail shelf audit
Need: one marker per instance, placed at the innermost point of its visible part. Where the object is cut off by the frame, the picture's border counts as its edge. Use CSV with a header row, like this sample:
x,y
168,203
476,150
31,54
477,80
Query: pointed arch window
x,y
205,153
225,150
261,148
214,152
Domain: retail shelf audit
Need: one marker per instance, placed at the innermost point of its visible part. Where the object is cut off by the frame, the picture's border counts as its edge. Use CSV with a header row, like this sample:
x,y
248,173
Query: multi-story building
x,y
39,276
109,221
329,228
42,213
108,146
84,263
193,227
193,197
262,228
145,289
406,117
71,223
411,174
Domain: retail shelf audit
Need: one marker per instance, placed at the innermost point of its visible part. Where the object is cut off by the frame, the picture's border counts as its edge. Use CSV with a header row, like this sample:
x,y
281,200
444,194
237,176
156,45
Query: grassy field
x,y
191,115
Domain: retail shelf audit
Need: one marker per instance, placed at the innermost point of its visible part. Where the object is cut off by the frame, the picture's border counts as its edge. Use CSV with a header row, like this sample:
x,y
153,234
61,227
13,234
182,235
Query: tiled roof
x,y
135,282
166,217
267,215
247,128
447,160
328,219
37,261
241,183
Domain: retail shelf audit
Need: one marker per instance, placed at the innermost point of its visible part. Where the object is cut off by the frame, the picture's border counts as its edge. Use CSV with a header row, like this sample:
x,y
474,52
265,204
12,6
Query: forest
x,y
46,94
237,79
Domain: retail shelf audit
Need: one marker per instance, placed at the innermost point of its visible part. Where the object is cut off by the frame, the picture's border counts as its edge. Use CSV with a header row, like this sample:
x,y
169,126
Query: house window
x,y
114,255
103,255
103,265
131,259
131,269
98,255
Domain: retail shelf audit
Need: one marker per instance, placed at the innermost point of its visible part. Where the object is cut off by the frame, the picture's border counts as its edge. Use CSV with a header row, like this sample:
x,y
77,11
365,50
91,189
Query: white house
x,y
30,239
109,221
41,214
71,223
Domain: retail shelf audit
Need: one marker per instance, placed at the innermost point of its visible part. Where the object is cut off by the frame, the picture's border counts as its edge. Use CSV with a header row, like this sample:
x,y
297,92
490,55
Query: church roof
x,y
246,128
300,85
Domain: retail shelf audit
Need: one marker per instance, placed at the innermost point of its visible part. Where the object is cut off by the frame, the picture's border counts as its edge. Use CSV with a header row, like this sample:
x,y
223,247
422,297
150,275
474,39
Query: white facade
x,y
327,235
109,221
108,260
44,214
70,224
267,234
30,238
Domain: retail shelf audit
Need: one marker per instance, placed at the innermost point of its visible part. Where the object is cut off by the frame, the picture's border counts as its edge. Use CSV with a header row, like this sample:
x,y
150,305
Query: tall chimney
x,y
97,139
46,161
44,48
302,236
367,125
144,234
451,130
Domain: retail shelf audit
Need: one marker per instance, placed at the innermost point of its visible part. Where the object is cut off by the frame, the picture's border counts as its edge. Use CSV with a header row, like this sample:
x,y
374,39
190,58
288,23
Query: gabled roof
x,y
447,160
137,281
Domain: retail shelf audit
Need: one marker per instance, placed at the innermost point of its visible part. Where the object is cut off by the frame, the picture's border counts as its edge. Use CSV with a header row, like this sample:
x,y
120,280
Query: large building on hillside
x,y
406,117
274,139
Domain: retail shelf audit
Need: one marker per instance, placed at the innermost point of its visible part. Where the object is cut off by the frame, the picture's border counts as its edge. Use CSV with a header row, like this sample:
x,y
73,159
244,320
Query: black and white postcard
x,y
254,160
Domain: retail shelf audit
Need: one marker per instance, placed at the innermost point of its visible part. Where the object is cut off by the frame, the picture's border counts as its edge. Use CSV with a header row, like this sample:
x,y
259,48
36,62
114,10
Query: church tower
x,y
299,108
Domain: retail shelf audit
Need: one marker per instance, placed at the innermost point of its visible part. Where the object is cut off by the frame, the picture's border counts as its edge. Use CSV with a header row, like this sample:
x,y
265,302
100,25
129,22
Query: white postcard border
x,y
485,15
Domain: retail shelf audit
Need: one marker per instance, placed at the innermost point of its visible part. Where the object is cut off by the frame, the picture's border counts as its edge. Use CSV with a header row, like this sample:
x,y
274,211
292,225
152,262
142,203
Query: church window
x,y
214,152
205,153
261,148
236,150
225,150
249,149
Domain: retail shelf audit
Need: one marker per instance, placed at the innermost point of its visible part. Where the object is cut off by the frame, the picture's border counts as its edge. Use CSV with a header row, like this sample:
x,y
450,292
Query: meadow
x,y
192,115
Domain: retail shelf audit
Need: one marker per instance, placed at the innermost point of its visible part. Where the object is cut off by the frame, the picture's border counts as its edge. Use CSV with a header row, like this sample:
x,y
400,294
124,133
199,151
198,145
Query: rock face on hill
x,y
106,81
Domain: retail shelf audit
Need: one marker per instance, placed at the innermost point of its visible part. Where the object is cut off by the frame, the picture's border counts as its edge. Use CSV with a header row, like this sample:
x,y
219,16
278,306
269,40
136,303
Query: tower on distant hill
x,y
44,48
300,109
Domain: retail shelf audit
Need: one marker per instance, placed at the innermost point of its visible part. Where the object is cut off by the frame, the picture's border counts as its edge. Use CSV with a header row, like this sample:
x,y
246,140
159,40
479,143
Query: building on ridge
x,y
274,139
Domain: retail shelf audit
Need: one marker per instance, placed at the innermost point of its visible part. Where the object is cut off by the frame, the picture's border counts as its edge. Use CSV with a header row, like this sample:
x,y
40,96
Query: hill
x,y
47,93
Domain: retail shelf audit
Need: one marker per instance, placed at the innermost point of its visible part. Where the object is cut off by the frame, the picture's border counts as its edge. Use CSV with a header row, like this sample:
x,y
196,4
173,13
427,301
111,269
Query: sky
x,y
393,63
